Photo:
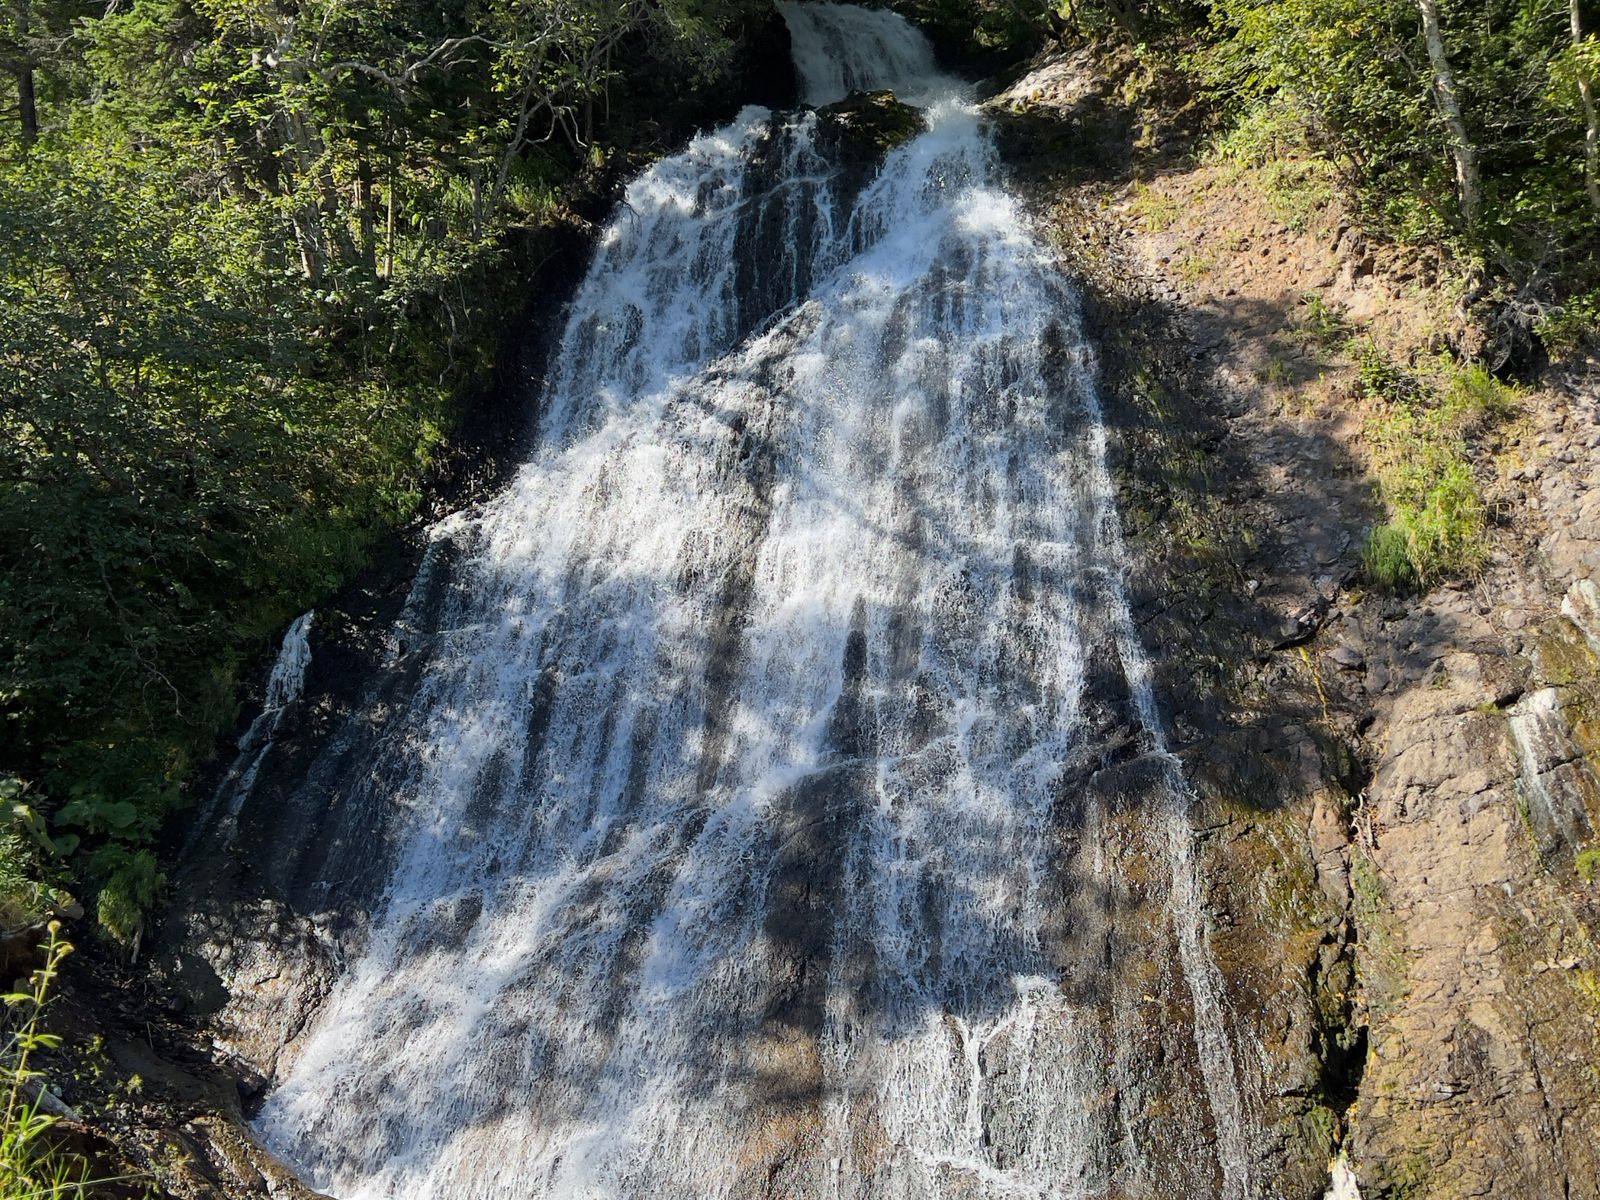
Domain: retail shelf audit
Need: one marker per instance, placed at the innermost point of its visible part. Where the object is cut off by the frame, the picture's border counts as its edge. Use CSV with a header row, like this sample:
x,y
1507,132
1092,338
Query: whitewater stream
x,y
740,832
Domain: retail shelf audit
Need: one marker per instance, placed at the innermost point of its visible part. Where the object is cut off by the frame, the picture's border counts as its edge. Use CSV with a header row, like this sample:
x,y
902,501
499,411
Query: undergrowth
x,y
29,861
1588,864
1268,146
34,1165
1566,328
1421,438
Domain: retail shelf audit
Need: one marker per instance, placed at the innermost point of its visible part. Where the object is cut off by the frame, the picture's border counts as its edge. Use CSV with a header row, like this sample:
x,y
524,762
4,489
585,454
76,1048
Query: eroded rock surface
x,y
1400,796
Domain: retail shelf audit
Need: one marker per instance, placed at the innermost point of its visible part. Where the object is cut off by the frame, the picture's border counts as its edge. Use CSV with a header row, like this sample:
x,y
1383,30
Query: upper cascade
x,y
842,48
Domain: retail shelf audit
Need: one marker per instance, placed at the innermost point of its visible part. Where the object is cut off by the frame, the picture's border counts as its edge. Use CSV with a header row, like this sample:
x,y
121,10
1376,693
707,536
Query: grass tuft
x,y
33,1165
1421,437
1588,864
1156,211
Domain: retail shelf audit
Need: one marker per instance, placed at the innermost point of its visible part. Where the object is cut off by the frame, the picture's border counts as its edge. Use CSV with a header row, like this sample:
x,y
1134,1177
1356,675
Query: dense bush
x,y
246,263
1420,437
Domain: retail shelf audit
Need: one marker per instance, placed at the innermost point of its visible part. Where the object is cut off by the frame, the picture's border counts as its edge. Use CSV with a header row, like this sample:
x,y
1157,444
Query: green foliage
x,y
1474,400
29,860
1588,864
190,456
1569,326
131,882
1387,558
1276,128
1296,189
1380,379
1269,142
1197,265
248,257
976,28
1438,522
1320,325
32,1165
1156,210
1354,76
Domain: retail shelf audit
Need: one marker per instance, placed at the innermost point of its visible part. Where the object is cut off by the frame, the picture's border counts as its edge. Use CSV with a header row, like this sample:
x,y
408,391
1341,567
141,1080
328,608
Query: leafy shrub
x,y
1438,522
1567,328
32,1166
1267,131
132,881
1380,379
1474,400
29,859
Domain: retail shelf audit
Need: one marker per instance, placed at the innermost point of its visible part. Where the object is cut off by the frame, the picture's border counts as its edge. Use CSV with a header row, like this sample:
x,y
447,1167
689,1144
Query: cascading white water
x,y
841,48
1556,779
747,843
285,681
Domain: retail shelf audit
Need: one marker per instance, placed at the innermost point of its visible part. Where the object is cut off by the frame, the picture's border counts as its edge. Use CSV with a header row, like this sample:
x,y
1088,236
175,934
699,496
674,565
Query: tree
x,y
248,257
27,37
1444,94
1585,52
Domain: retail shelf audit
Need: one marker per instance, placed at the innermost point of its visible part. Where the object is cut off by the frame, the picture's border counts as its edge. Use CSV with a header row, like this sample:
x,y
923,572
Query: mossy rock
x,y
865,126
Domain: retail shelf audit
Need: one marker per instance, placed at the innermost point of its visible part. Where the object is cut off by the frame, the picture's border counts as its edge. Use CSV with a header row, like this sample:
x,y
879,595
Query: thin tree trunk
x,y
308,221
28,106
363,198
388,223
27,101
391,167
503,173
1591,119
1444,94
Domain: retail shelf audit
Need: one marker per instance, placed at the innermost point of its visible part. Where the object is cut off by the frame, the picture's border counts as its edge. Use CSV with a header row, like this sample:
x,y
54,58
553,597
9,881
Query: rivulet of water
x,y
750,805
1555,778
285,681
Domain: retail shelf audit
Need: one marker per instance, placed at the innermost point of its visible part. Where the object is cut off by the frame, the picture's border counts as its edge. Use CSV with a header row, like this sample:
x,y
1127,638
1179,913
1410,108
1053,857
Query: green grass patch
x,y
1437,521
1268,144
1197,266
1154,210
1588,864
1296,189
1319,325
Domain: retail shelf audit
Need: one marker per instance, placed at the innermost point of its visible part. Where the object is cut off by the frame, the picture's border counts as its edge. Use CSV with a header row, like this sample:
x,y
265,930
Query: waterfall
x,y
840,48
763,816
285,681
1555,778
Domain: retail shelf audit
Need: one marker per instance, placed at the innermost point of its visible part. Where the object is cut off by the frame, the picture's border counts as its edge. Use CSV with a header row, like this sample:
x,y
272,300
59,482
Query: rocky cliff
x,y
1401,787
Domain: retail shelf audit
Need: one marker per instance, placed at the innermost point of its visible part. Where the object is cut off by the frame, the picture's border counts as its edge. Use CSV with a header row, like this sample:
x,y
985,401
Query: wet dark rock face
x,y
858,131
